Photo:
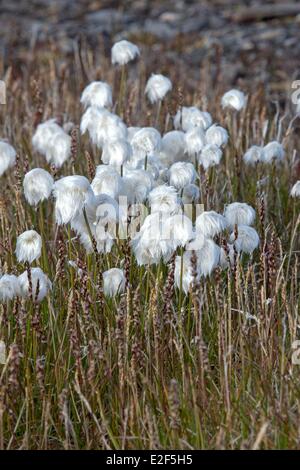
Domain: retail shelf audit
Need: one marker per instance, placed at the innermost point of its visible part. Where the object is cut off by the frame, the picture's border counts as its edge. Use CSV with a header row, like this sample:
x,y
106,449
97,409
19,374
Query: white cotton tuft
x,y
254,154
194,141
136,185
177,230
116,152
164,199
28,246
157,87
189,117
71,193
107,181
247,239
7,156
183,274
182,174
123,52
102,126
295,191
273,151
208,257
210,156
97,94
113,282
210,223
146,141
173,148
52,142
37,186
239,213
9,287
41,284
216,135
234,99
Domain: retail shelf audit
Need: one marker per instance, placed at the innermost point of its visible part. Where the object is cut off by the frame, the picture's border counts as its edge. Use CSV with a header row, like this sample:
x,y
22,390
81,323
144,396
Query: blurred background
x,y
250,41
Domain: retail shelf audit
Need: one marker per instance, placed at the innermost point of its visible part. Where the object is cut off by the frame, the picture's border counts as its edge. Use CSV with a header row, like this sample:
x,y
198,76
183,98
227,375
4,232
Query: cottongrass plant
x,y
149,268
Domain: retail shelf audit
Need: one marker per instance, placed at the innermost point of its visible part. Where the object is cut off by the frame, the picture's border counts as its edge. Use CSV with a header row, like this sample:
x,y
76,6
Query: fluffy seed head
x,y
146,141
113,282
37,185
273,151
164,199
97,94
9,287
190,194
136,185
29,246
123,52
107,181
210,156
182,174
189,117
71,193
53,142
254,155
239,213
210,223
157,87
234,99
194,140
116,152
247,240
216,135
102,126
172,148
7,156
41,284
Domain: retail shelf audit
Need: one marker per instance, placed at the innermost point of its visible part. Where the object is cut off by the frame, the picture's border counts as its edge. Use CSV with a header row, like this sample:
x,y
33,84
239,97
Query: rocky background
x,y
251,41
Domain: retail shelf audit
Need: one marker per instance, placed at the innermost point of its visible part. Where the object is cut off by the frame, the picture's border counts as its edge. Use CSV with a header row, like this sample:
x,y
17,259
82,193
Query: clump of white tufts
x,y
254,154
37,186
113,282
116,152
41,284
29,246
71,193
247,239
123,52
210,156
295,191
273,151
239,213
216,135
210,223
234,99
181,174
194,141
102,126
189,117
53,142
107,181
9,287
7,156
157,87
97,94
